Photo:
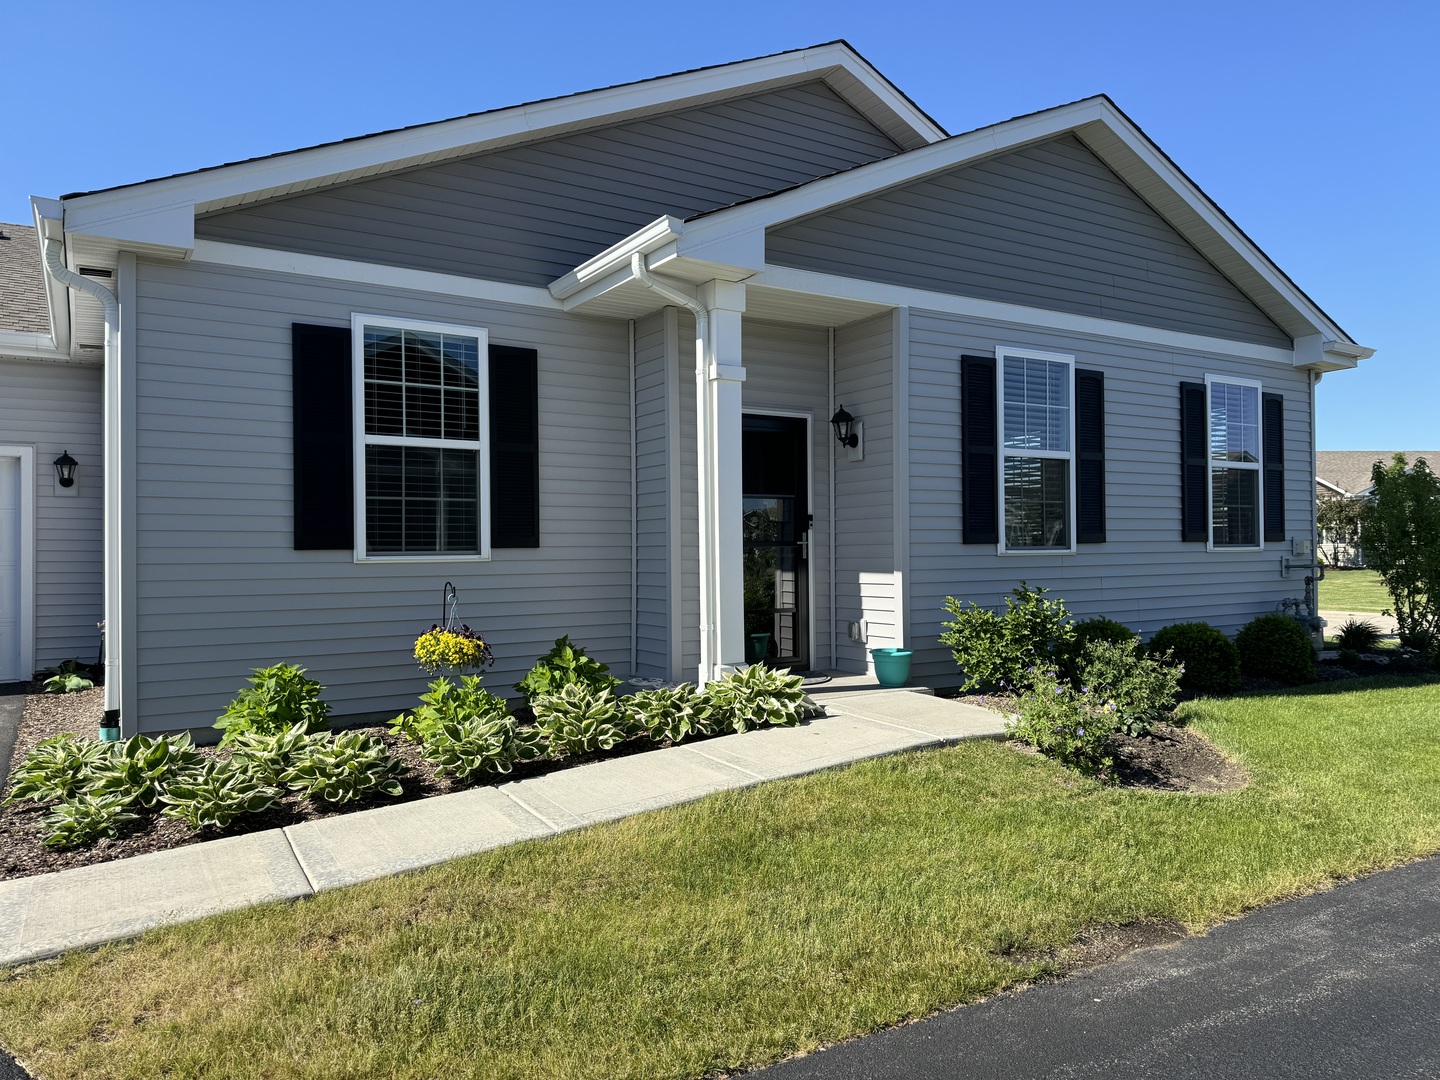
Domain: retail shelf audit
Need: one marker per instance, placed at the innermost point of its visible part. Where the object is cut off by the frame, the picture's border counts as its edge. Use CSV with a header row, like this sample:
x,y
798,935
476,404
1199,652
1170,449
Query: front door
x,y
776,467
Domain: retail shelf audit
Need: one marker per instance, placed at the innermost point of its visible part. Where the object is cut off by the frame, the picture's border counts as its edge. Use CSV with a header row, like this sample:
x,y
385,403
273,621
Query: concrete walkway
x,y
1387,624
48,914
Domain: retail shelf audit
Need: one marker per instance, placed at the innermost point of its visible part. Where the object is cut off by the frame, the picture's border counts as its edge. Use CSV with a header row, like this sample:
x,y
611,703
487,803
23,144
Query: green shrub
x,y
565,665
1141,687
1276,647
756,696
1400,526
447,703
83,819
1085,633
1072,726
666,714
58,768
1358,636
1408,661
1349,658
278,698
1005,651
343,768
216,794
1208,660
268,757
577,719
480,743
139,769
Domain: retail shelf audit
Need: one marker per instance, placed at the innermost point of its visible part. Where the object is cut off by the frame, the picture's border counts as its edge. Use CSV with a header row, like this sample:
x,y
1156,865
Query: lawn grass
x,y
734,930
1353,590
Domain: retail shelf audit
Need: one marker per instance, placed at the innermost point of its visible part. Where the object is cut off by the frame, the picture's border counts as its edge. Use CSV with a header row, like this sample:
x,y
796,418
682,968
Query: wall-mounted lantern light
x,y
843,423
65,469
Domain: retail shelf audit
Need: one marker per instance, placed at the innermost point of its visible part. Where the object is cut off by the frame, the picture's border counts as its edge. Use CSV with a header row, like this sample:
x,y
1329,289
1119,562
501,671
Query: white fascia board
x,y
363,273
304,169
50,224
808,281
168,229
652,237
28,345
1320,354
1333,487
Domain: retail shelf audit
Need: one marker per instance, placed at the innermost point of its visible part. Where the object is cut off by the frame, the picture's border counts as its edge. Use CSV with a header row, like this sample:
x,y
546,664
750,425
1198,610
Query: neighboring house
x,y
1345,474
468,351
50,536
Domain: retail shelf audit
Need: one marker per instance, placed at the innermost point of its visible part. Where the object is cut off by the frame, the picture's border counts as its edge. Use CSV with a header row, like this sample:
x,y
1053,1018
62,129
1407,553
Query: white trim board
x,y
24,457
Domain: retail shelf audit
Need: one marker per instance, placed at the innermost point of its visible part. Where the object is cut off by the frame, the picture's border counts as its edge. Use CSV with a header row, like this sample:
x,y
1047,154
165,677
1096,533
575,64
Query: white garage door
x,y
12,568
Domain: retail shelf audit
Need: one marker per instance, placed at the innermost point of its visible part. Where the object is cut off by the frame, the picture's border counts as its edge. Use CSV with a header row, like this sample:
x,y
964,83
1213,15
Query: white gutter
x,y
830,381
55,264
705,461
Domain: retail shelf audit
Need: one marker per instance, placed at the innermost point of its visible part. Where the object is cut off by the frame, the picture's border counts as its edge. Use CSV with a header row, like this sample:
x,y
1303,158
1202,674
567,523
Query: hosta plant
x,y
67,677
215,795
267,757
666,714
83,819
755,697
278,698
448,703
344,768
476,745
563,665
58,768
140,768
578,719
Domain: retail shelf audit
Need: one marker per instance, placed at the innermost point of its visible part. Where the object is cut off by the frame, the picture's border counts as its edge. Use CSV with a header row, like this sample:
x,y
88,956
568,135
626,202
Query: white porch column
x,y
721,560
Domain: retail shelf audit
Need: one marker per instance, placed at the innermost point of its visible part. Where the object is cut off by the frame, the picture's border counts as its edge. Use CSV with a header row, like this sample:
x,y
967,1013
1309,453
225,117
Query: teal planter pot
x,y
892,666
757,647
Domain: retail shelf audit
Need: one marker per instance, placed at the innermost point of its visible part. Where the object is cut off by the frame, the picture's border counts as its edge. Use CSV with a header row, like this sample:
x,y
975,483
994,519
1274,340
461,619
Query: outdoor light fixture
x,y
842,422
65,469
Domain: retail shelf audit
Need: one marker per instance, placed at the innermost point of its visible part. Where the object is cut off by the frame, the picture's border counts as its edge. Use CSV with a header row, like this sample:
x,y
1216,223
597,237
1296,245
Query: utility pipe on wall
x,y
55,264
704,423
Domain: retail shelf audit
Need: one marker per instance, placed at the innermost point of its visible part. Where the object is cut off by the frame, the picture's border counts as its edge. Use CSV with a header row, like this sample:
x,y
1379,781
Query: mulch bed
x,y
1174,759
22,854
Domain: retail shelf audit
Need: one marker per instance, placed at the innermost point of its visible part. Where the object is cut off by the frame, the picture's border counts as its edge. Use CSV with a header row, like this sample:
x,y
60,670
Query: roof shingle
x,y
22,281
1349,470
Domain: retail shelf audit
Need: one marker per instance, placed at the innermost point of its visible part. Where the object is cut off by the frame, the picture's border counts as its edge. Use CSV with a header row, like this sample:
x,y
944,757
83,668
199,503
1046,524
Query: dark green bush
x,y
1276,647
1210,660
1358,636
1088,632
1009,650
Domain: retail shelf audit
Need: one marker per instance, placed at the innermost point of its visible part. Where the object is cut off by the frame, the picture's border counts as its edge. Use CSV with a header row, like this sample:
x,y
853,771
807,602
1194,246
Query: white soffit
x,y
227,186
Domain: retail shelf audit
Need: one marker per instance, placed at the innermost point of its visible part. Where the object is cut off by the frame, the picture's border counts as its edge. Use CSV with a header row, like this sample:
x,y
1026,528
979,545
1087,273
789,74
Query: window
x,y
1037,443
1235,464
422,452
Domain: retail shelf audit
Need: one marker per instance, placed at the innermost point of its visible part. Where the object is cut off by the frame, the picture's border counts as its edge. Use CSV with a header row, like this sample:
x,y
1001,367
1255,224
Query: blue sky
x,y
1312,124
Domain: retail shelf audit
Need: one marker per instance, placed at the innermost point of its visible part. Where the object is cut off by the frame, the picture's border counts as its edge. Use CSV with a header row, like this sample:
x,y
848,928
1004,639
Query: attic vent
x,y
95,271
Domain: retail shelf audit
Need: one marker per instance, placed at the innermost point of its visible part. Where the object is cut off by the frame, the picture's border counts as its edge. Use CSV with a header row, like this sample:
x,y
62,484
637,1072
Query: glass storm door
x,y
776,541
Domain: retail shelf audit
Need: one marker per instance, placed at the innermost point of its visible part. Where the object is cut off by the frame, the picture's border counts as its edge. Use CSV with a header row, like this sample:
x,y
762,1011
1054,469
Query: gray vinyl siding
x,y
786,370
1144,576
1049,226
531,213
652,506
219,588
54,408
865,493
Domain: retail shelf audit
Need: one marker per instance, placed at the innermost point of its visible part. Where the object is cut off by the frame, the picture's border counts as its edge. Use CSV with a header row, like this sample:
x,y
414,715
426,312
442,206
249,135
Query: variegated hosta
x,y
216,794
755,697
58,768
140,768
666,713
269,757
83,819
447,703
475,745
578,719
343,768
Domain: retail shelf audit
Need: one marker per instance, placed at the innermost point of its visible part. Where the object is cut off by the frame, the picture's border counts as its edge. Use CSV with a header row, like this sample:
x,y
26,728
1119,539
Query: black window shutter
x,y
1194,464
979,442
1272,456
323,451
1089,457
514,447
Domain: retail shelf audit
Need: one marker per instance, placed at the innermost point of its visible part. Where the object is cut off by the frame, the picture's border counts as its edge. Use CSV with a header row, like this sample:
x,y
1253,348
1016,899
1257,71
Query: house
x,y
580,358
1345,474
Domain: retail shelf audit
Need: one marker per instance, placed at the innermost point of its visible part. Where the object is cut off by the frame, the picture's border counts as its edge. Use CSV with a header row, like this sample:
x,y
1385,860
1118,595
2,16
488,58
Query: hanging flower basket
x,y
459,649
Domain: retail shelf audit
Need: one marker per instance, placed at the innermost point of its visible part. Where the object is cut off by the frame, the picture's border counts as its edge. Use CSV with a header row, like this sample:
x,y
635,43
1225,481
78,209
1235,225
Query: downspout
x,y
55,264
709,660
830,411
634,515
1313,593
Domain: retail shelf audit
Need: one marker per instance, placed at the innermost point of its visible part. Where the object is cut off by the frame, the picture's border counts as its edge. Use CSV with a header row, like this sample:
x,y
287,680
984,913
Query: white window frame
x,y
1257,467
1002,353
358,323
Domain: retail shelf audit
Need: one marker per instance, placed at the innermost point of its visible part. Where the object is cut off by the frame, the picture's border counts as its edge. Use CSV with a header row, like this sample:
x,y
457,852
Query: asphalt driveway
x,y
1344,983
